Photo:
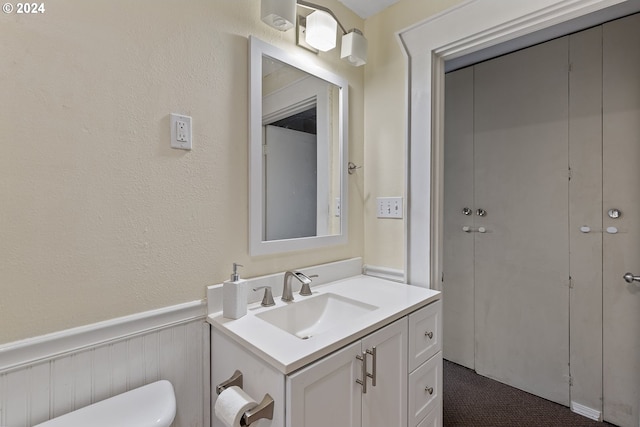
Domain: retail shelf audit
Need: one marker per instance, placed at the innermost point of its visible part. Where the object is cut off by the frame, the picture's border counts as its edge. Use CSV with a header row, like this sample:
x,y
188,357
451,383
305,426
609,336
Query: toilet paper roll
x,y
231,405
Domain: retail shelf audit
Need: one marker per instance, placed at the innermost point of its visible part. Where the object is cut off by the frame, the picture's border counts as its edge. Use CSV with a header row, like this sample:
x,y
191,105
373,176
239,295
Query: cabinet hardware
x,y
363,382
466,211
429,334
614,213
481,212
630,278
429,389
373,375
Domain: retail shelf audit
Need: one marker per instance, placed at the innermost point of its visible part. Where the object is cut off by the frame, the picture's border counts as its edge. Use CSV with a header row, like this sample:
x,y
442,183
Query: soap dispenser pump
x,y
235,292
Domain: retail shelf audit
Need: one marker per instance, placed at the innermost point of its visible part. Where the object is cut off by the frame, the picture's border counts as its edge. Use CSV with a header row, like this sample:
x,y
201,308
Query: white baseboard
x,y
26,352
585,411
384,273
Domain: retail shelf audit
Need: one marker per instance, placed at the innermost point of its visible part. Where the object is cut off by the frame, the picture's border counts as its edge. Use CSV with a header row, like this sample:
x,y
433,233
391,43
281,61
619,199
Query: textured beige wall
x,y
385,125
99,218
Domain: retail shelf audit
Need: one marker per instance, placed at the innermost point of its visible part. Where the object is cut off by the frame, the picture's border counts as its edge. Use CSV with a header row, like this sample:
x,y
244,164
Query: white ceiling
x,y
367,8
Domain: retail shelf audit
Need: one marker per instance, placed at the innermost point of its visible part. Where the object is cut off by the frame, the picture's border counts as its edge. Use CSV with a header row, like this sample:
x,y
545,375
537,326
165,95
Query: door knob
x,y
614,213
630,278
481,212
466,211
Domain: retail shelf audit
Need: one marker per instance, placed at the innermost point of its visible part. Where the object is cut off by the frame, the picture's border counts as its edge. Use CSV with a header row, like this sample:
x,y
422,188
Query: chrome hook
x,y
351,168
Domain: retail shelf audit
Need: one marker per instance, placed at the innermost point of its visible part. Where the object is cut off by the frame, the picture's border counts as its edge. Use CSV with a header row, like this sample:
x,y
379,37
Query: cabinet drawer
x,y
434,419
425,330
425,389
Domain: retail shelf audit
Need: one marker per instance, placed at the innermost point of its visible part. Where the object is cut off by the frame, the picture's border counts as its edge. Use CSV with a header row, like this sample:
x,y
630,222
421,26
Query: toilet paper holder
x,y
264,409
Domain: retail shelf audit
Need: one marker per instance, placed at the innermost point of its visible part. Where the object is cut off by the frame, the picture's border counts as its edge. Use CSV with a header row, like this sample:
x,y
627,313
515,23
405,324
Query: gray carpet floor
x,y
471,400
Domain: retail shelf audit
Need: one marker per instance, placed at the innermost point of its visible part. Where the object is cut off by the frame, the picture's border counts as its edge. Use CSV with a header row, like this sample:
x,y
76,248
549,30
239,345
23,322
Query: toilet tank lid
x,y
152,405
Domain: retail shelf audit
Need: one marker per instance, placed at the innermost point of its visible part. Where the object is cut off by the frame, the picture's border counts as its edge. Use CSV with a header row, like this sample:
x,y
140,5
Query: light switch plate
x,y
389,207
181,136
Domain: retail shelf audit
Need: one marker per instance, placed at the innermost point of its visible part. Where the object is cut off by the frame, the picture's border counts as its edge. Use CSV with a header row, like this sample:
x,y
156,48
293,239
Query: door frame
x,y
471,26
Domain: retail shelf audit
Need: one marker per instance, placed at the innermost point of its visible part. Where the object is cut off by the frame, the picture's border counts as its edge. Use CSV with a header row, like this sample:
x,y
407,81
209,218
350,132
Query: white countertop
x,y
288,353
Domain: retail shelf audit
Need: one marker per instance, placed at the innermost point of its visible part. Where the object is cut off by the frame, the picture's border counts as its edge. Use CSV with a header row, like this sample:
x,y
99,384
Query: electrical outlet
x,y
389,207
181,132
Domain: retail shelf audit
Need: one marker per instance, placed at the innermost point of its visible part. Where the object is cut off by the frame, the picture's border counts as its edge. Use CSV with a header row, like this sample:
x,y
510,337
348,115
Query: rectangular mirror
x,y
297,153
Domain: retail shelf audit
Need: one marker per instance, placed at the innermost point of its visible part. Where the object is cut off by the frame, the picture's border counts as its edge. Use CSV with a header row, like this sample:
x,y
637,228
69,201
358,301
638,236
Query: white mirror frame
x,y
257,246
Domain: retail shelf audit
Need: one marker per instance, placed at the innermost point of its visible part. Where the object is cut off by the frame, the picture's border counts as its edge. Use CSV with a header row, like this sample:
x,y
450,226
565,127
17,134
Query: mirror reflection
x,y
297,155
300,153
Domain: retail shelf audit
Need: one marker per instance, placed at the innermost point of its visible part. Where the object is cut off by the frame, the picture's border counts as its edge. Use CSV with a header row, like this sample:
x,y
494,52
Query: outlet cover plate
x,y
181,136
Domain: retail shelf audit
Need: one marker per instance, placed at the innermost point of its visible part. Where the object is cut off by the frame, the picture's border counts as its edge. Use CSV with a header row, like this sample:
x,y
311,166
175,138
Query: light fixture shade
x,y
279,14
321,30
354,48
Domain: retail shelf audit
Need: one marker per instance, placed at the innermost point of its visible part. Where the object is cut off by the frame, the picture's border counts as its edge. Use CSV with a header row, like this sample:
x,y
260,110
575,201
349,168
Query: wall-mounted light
x,y
354,48
316,31
279,14
321,30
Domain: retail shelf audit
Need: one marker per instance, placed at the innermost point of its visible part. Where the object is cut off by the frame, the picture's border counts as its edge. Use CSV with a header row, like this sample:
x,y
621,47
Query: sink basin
x,y
315,315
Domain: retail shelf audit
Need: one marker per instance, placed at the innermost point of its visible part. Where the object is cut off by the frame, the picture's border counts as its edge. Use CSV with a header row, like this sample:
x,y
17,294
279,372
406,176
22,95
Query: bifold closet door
x,y
585,210
621,185
457,286
521,207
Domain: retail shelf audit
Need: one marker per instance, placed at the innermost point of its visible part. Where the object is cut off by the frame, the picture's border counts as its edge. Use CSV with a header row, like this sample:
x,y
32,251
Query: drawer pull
x,y
428,334
363,382
373,375
429,389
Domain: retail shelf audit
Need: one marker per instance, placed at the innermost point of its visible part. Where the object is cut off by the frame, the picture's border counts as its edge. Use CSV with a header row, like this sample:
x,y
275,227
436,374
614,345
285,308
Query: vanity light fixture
x,y
278,14
321,30
316,31
354,48
354,44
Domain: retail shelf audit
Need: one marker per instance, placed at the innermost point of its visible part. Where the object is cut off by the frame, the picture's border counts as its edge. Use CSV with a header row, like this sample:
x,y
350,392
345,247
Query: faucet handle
x,y
306,286
267,299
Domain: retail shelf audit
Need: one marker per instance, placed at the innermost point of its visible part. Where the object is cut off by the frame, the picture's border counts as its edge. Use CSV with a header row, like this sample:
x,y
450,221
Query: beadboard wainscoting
x,y
171,343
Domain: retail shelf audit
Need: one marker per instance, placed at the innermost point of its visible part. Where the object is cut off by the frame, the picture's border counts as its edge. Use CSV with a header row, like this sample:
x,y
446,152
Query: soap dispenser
x,y
235,292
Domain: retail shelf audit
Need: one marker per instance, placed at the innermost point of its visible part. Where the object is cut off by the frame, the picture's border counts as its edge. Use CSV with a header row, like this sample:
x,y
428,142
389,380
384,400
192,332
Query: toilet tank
x,y
153,405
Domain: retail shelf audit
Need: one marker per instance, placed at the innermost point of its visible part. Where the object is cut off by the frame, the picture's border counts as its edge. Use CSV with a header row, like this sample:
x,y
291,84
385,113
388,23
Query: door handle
x,y
373,375
630,278
614,213
363,382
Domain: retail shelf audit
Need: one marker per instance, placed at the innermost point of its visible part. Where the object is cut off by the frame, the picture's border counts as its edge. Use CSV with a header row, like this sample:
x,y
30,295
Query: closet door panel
x,y
585,209
457,287
521,181
621,184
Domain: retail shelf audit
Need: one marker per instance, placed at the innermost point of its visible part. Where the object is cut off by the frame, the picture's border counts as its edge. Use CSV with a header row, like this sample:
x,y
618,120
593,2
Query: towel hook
x,y
351,168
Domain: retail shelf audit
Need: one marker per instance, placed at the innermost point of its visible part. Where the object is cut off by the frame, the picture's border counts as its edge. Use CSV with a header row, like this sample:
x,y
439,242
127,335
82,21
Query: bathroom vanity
x,y
359,351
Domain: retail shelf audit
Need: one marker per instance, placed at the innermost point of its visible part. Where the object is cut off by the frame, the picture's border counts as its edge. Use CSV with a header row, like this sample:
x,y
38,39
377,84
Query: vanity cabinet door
x,y
384,404
326,393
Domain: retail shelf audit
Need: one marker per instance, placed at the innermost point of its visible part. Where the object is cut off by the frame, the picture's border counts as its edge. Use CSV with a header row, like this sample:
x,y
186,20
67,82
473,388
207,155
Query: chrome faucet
x,y
287,294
